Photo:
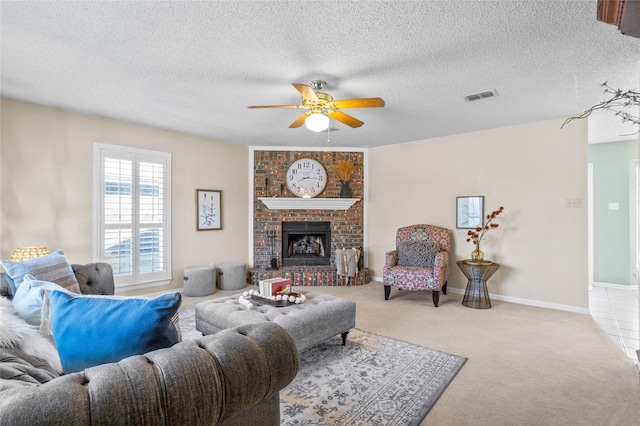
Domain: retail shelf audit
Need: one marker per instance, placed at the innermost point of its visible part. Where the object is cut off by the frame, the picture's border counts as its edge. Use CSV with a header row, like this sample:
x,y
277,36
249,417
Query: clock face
x,y
306,178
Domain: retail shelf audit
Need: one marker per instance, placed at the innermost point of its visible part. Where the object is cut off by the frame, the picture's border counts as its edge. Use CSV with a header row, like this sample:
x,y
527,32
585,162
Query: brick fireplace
x,y
346,226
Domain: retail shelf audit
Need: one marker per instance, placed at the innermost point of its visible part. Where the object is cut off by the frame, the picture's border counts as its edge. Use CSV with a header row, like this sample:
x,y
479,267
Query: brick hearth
x,y
310,276
347,226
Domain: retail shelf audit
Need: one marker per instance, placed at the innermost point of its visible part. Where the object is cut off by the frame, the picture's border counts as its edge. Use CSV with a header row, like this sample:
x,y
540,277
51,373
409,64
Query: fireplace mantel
x,y
283,203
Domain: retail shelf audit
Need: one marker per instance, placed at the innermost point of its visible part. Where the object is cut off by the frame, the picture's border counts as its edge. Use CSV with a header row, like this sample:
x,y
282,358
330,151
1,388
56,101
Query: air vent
x,y
481,95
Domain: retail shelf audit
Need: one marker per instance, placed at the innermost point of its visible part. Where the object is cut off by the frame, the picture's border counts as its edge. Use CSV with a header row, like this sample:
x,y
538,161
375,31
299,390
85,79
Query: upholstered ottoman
x,y
232,276
199,281
319,318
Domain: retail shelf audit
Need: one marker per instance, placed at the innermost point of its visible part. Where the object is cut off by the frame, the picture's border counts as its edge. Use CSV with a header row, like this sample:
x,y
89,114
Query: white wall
x,y
46,184
529,169
46,187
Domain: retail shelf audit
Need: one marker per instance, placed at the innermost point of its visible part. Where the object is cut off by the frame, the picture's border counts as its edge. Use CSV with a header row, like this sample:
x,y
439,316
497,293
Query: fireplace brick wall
x,y
270,169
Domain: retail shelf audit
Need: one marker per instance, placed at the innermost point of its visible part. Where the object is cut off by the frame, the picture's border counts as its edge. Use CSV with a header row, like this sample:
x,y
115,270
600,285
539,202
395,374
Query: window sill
x,y
127,287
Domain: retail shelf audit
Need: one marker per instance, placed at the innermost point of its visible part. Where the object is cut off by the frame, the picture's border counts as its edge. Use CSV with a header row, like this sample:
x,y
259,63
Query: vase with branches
x,y
345,170
475,235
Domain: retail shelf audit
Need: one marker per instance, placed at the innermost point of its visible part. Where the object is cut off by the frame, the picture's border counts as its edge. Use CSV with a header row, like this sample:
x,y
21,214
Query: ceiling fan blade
x,y
359,103
274,106
344,118
299,121
307,92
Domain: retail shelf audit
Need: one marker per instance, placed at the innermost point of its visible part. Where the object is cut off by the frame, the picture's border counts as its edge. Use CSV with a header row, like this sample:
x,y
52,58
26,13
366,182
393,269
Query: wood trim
x,y
625,14
610,11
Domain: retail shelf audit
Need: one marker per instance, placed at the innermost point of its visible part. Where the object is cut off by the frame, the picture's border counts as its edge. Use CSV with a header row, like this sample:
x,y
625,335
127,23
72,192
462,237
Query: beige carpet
x,y
526,365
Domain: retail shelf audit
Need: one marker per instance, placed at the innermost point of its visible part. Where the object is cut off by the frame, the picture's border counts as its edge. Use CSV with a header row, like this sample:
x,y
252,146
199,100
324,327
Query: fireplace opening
x,y
306,243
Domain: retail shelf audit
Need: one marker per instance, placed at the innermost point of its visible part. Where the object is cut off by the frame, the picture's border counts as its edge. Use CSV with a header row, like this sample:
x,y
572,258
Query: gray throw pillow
x,y
417,254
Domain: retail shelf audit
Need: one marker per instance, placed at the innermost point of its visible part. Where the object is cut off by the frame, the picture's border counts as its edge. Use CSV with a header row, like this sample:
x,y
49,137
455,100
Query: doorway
x,y
613,221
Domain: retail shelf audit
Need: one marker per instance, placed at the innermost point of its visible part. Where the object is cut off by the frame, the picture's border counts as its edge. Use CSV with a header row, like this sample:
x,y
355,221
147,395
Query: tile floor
x,y
616,312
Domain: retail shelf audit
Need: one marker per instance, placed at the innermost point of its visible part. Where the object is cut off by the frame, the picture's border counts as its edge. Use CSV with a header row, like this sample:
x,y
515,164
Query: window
x,y
132,214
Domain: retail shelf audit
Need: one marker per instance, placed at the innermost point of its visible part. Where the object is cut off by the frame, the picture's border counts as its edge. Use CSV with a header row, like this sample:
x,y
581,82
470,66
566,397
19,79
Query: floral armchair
x,y
419,262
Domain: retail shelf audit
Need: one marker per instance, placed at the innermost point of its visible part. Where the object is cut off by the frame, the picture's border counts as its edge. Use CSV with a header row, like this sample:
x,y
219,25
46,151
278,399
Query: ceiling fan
x,y
321,107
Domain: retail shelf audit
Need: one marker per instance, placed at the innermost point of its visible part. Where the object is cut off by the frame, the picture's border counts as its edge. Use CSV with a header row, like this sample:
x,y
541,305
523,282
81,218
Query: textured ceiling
x,y
194,67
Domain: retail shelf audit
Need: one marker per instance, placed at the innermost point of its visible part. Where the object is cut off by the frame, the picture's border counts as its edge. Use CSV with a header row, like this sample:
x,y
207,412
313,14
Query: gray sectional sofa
x,y
232,378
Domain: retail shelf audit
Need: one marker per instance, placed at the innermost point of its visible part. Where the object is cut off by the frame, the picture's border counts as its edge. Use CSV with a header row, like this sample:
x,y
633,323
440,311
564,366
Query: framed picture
x,y
209,209
470,212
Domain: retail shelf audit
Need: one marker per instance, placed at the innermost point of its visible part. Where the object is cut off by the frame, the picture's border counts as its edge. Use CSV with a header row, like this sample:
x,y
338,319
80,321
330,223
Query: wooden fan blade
x,y
274,106
300,120
306,91
344,118
359,103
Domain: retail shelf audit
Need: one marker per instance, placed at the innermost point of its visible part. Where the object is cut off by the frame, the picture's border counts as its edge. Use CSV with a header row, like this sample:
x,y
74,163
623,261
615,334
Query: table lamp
x,y
28,252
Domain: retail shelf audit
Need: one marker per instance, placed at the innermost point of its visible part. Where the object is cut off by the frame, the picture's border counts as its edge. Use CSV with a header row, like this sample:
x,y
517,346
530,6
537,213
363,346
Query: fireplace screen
x,y
306,243
309,245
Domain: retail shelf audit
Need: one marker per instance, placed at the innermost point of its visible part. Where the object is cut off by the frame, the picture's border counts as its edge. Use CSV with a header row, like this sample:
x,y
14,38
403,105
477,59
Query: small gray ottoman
x,y
319,318
232,276
199,281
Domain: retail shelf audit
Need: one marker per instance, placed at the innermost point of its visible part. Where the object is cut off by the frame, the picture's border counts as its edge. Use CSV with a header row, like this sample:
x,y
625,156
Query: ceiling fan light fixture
x,y
317,122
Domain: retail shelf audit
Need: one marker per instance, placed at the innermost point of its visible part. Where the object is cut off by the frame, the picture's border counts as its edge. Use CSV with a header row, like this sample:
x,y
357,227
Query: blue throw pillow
x,y
94,330
53,267
12,285
29,298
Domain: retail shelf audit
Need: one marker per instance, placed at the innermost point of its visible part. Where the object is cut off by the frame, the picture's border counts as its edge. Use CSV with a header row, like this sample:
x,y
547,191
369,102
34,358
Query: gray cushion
x,y
417,254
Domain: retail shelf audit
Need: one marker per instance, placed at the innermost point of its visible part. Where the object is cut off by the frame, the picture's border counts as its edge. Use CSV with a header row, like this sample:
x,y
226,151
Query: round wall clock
x,y
306,178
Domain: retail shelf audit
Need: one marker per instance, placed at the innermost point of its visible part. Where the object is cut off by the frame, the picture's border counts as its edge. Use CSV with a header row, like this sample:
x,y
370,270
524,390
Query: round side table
x,y
477,296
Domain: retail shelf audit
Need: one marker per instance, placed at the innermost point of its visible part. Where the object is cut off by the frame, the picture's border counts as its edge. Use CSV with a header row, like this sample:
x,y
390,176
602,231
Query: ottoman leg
x,y
344,338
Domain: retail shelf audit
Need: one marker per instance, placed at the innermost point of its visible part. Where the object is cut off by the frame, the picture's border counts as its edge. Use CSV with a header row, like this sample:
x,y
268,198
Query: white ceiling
x,y
194,67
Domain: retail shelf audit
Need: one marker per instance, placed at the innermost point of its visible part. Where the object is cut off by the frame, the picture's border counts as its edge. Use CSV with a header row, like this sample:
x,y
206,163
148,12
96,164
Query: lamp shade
x,y
28,252
317,122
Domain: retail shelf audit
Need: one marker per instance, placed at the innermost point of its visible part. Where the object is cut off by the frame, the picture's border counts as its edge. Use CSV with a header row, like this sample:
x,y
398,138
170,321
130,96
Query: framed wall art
x,y
209,209
470,212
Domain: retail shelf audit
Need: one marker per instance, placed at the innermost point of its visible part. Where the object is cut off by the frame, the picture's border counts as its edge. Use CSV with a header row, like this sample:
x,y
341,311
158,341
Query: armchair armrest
x,y
441,260
441,268
95,278
391,258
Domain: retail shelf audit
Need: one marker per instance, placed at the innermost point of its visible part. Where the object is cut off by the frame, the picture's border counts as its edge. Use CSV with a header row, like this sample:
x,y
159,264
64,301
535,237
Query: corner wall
x,y
46,174
529,169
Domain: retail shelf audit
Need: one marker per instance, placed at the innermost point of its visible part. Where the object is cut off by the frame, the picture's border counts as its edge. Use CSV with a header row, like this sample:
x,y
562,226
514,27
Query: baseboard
x,y
529,302
616,286
518,300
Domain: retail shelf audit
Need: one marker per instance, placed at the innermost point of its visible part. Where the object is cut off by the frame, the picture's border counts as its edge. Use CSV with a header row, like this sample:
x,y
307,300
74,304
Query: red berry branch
x,y
476,235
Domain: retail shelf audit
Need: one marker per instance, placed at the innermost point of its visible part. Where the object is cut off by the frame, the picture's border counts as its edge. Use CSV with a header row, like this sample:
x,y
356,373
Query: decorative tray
x,y
285,300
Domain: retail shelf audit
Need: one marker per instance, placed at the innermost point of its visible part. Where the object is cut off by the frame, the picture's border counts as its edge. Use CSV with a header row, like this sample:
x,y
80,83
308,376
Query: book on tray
x,y
272,286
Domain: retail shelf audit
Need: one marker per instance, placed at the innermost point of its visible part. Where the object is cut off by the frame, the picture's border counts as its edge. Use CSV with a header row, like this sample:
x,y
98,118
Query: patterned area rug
x,y
372,380
188,324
